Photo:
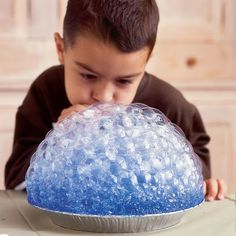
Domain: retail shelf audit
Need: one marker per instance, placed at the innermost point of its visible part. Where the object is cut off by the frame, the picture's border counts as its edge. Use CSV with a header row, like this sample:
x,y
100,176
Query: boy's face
x,y
98,72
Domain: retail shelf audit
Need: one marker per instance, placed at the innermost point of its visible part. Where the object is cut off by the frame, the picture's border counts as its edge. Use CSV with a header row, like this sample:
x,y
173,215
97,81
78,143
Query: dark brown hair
x,y
128,24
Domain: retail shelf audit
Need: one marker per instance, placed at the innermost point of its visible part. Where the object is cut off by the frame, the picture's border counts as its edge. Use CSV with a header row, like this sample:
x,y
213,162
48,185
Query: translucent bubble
x,y
113,159
157,164
111,153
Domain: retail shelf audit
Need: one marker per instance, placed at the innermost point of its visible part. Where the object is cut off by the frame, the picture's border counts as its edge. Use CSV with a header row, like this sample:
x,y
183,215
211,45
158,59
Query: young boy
x,y
103,53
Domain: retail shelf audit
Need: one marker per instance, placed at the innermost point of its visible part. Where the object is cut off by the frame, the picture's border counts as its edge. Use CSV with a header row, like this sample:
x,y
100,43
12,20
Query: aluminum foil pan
x,y
115,224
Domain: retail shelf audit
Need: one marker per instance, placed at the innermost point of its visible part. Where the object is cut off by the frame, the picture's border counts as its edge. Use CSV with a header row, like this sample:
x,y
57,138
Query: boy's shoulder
x,y
161,85
51,76
49,88
161,95
50,83
47,92
155,89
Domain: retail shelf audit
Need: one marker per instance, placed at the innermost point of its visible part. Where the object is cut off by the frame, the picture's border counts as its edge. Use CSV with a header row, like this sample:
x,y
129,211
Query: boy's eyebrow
x,y
131,75
86,67
93,71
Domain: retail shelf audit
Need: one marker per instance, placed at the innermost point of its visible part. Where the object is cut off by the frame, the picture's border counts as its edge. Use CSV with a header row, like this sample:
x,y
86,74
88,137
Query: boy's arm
x,y
159,94
199,139
213,188
32,124
187,117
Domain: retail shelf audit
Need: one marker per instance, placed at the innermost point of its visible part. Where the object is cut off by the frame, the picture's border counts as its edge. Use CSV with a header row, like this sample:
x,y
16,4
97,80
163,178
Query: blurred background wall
x,y
196,52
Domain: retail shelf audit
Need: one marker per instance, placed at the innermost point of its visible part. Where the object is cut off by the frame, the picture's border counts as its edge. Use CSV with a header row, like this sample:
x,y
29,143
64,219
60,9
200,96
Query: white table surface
x,y
18,218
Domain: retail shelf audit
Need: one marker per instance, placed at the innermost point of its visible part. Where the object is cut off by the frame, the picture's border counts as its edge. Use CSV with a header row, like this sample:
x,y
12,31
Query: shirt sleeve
x,y
189,120
199,139
163,96
31,125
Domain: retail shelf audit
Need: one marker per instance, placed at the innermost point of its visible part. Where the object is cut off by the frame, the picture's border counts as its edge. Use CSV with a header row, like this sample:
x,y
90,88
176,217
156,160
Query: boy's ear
x,y
60,47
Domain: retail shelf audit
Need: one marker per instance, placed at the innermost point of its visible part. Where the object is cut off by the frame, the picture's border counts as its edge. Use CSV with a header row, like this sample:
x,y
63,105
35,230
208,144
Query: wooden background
x,y
196,52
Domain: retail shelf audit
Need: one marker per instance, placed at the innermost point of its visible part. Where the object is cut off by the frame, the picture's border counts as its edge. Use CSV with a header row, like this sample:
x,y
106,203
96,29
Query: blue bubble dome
x,y
118,160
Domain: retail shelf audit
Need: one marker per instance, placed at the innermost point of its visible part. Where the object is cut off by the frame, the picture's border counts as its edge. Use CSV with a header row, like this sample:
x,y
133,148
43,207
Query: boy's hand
x,y
214,189
70,111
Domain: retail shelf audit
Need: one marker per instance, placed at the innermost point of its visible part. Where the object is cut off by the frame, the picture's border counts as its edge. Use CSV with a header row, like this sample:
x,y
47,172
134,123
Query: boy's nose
x,y
103,93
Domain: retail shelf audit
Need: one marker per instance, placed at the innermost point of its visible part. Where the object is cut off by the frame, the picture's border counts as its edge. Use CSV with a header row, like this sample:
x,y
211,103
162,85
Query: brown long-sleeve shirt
x,y
47,97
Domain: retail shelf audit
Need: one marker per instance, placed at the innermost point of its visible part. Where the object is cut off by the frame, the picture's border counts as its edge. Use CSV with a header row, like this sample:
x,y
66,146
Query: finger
x,y
212,189
204,188
60,119
74,108
65,115
222,189
64,111
79,107
70,111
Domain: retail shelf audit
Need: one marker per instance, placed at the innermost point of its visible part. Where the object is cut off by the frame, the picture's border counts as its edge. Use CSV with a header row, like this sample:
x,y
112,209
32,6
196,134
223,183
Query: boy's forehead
x,y
88,49
89,41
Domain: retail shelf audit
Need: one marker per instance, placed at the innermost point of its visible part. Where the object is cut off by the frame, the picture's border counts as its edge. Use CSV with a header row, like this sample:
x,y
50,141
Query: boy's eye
x,y
88,76
124,81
